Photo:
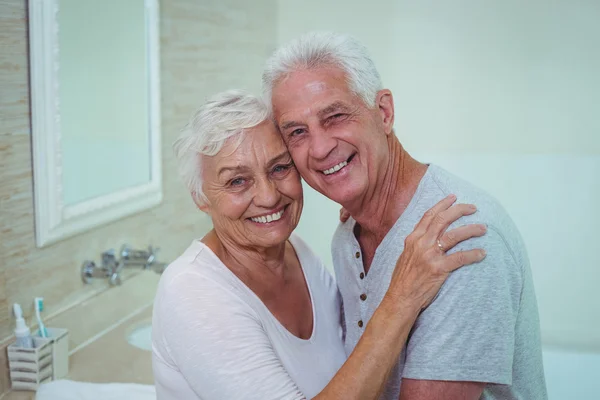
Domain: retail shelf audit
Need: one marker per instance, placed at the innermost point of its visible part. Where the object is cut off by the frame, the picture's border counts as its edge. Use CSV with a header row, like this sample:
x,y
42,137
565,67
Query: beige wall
x,y
476,76
206,46
504,94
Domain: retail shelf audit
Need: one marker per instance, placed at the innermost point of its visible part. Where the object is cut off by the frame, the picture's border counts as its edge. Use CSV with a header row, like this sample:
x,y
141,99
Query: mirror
x,y
95,103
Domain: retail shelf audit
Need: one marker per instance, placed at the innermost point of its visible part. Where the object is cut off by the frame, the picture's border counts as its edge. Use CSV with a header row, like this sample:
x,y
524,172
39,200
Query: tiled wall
x,y
206,46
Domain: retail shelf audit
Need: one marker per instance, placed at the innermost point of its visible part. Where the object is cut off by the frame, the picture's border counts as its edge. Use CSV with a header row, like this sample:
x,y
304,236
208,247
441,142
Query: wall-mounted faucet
x,y
109,268
145,258
112,266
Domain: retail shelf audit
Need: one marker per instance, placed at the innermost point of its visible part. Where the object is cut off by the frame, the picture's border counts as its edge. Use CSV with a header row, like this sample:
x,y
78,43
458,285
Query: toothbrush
x,y
39,306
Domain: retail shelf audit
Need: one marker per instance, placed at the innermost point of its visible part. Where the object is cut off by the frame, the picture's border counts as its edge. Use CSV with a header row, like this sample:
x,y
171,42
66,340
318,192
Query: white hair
x,y
325,49
221,118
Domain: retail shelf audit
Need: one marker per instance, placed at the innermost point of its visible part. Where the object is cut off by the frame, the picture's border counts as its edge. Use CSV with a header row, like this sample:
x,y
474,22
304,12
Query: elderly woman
x,y
248,311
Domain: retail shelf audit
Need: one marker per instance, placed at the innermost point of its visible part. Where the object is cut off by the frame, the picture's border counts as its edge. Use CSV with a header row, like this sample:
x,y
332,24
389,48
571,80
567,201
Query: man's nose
x,y
321,144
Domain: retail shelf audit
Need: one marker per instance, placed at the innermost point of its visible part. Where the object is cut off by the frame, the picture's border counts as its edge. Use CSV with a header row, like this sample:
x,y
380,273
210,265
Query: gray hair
x,y
325,49
222,117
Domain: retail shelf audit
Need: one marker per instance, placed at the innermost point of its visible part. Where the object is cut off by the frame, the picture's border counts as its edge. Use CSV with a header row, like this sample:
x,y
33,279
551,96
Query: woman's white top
x,y
214,339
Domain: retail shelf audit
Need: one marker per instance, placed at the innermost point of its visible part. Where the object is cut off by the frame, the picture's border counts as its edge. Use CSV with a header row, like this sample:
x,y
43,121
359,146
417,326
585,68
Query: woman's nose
x,y
267,194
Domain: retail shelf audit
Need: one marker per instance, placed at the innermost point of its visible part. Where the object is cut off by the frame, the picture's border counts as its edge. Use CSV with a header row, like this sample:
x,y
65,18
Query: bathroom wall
x,y
206,46
506,96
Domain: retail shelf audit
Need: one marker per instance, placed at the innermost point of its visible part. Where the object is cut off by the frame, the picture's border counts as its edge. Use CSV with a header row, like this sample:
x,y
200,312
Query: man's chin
x,y
342,195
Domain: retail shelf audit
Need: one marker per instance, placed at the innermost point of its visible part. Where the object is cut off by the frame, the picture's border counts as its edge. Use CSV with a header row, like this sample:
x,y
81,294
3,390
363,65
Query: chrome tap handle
x,y
152,251
127,253
108,258
89,271
114,279
145,258
112,266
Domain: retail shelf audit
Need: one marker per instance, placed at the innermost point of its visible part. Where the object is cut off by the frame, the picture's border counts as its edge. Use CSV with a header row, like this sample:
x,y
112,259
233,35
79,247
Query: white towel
x,y
71,390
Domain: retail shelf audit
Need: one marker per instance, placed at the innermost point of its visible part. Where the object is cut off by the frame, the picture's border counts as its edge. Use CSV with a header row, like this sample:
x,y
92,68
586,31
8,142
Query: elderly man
x,y
480,338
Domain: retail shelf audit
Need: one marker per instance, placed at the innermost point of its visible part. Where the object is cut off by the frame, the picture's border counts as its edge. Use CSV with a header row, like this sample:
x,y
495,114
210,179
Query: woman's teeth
x,y
335,168
268,218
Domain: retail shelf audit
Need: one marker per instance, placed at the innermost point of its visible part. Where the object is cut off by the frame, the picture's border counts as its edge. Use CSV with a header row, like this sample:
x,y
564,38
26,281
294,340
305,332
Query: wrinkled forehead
x,y
304,92
253,146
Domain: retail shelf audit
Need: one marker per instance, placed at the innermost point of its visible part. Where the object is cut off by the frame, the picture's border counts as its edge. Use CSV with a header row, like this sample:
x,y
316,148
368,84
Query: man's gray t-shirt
x,y
483,326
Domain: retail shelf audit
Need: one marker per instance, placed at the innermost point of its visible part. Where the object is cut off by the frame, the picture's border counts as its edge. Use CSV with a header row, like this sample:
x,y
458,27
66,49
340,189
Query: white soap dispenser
x,y
22,332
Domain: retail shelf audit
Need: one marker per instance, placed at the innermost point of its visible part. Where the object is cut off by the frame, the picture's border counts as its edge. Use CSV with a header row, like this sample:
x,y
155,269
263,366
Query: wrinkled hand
x,y
424,265
344,215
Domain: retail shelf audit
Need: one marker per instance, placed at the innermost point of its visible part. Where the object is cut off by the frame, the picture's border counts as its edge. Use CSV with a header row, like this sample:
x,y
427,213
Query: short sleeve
x,y
217,343
468,332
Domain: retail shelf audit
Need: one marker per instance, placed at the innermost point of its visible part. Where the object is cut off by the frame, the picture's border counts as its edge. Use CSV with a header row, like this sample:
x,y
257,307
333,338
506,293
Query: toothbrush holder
x,y
47,360
59,339
30,367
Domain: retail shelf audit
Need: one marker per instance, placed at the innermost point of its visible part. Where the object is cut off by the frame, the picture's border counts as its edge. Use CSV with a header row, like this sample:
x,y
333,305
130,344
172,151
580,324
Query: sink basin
x,y
140,336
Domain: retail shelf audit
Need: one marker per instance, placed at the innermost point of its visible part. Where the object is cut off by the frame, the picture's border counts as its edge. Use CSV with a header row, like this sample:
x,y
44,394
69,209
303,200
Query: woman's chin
x,y
270,233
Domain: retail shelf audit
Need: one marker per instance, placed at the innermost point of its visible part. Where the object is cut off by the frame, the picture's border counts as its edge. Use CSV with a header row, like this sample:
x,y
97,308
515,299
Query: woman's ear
x,y
201,203
385,103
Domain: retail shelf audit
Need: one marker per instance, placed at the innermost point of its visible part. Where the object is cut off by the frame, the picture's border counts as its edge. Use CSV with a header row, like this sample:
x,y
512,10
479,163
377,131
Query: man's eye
x,y
296,132
337,116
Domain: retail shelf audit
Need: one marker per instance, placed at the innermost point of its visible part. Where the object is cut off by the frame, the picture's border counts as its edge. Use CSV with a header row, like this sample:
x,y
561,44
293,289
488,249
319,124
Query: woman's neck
x,y
249,263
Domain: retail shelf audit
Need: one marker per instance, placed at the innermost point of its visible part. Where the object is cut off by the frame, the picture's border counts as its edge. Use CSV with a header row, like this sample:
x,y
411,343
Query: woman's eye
x,y
282,168
336,116
237,182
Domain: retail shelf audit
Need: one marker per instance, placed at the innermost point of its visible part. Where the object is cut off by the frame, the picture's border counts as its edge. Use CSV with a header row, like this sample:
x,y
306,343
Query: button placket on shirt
x,y
361,283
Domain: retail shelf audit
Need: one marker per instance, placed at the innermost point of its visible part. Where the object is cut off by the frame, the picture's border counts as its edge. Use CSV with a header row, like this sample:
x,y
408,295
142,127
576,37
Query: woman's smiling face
x,y
253,189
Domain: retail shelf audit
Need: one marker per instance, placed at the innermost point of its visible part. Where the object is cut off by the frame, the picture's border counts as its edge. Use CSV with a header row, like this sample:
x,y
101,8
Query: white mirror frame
x,y
53,219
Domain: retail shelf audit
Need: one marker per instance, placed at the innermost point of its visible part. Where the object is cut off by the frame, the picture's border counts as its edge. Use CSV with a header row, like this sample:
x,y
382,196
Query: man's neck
x,y
391,194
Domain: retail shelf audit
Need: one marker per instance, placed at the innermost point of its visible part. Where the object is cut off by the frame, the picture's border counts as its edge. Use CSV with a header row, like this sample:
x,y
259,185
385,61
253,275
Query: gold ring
x,y
439,244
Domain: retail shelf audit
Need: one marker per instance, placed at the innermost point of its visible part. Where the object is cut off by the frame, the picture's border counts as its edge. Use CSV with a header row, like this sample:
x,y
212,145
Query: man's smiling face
x,y
338,143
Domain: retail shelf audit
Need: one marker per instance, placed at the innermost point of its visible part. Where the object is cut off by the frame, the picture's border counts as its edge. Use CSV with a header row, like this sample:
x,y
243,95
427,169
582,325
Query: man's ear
x,y
385,103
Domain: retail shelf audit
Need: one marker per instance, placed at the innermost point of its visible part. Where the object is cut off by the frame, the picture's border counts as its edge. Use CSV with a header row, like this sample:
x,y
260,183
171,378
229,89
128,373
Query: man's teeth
x,y
268,218
335,168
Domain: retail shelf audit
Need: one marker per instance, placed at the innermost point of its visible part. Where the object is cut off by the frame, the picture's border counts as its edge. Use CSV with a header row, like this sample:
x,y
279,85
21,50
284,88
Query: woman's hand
x,y
420,272
424,266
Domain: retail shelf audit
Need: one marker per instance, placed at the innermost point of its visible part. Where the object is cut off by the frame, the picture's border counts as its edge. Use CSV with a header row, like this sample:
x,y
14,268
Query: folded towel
x,y
71,390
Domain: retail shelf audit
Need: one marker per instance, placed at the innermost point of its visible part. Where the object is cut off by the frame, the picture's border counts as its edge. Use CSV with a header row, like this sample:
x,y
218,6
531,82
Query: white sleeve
x,y
218,343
